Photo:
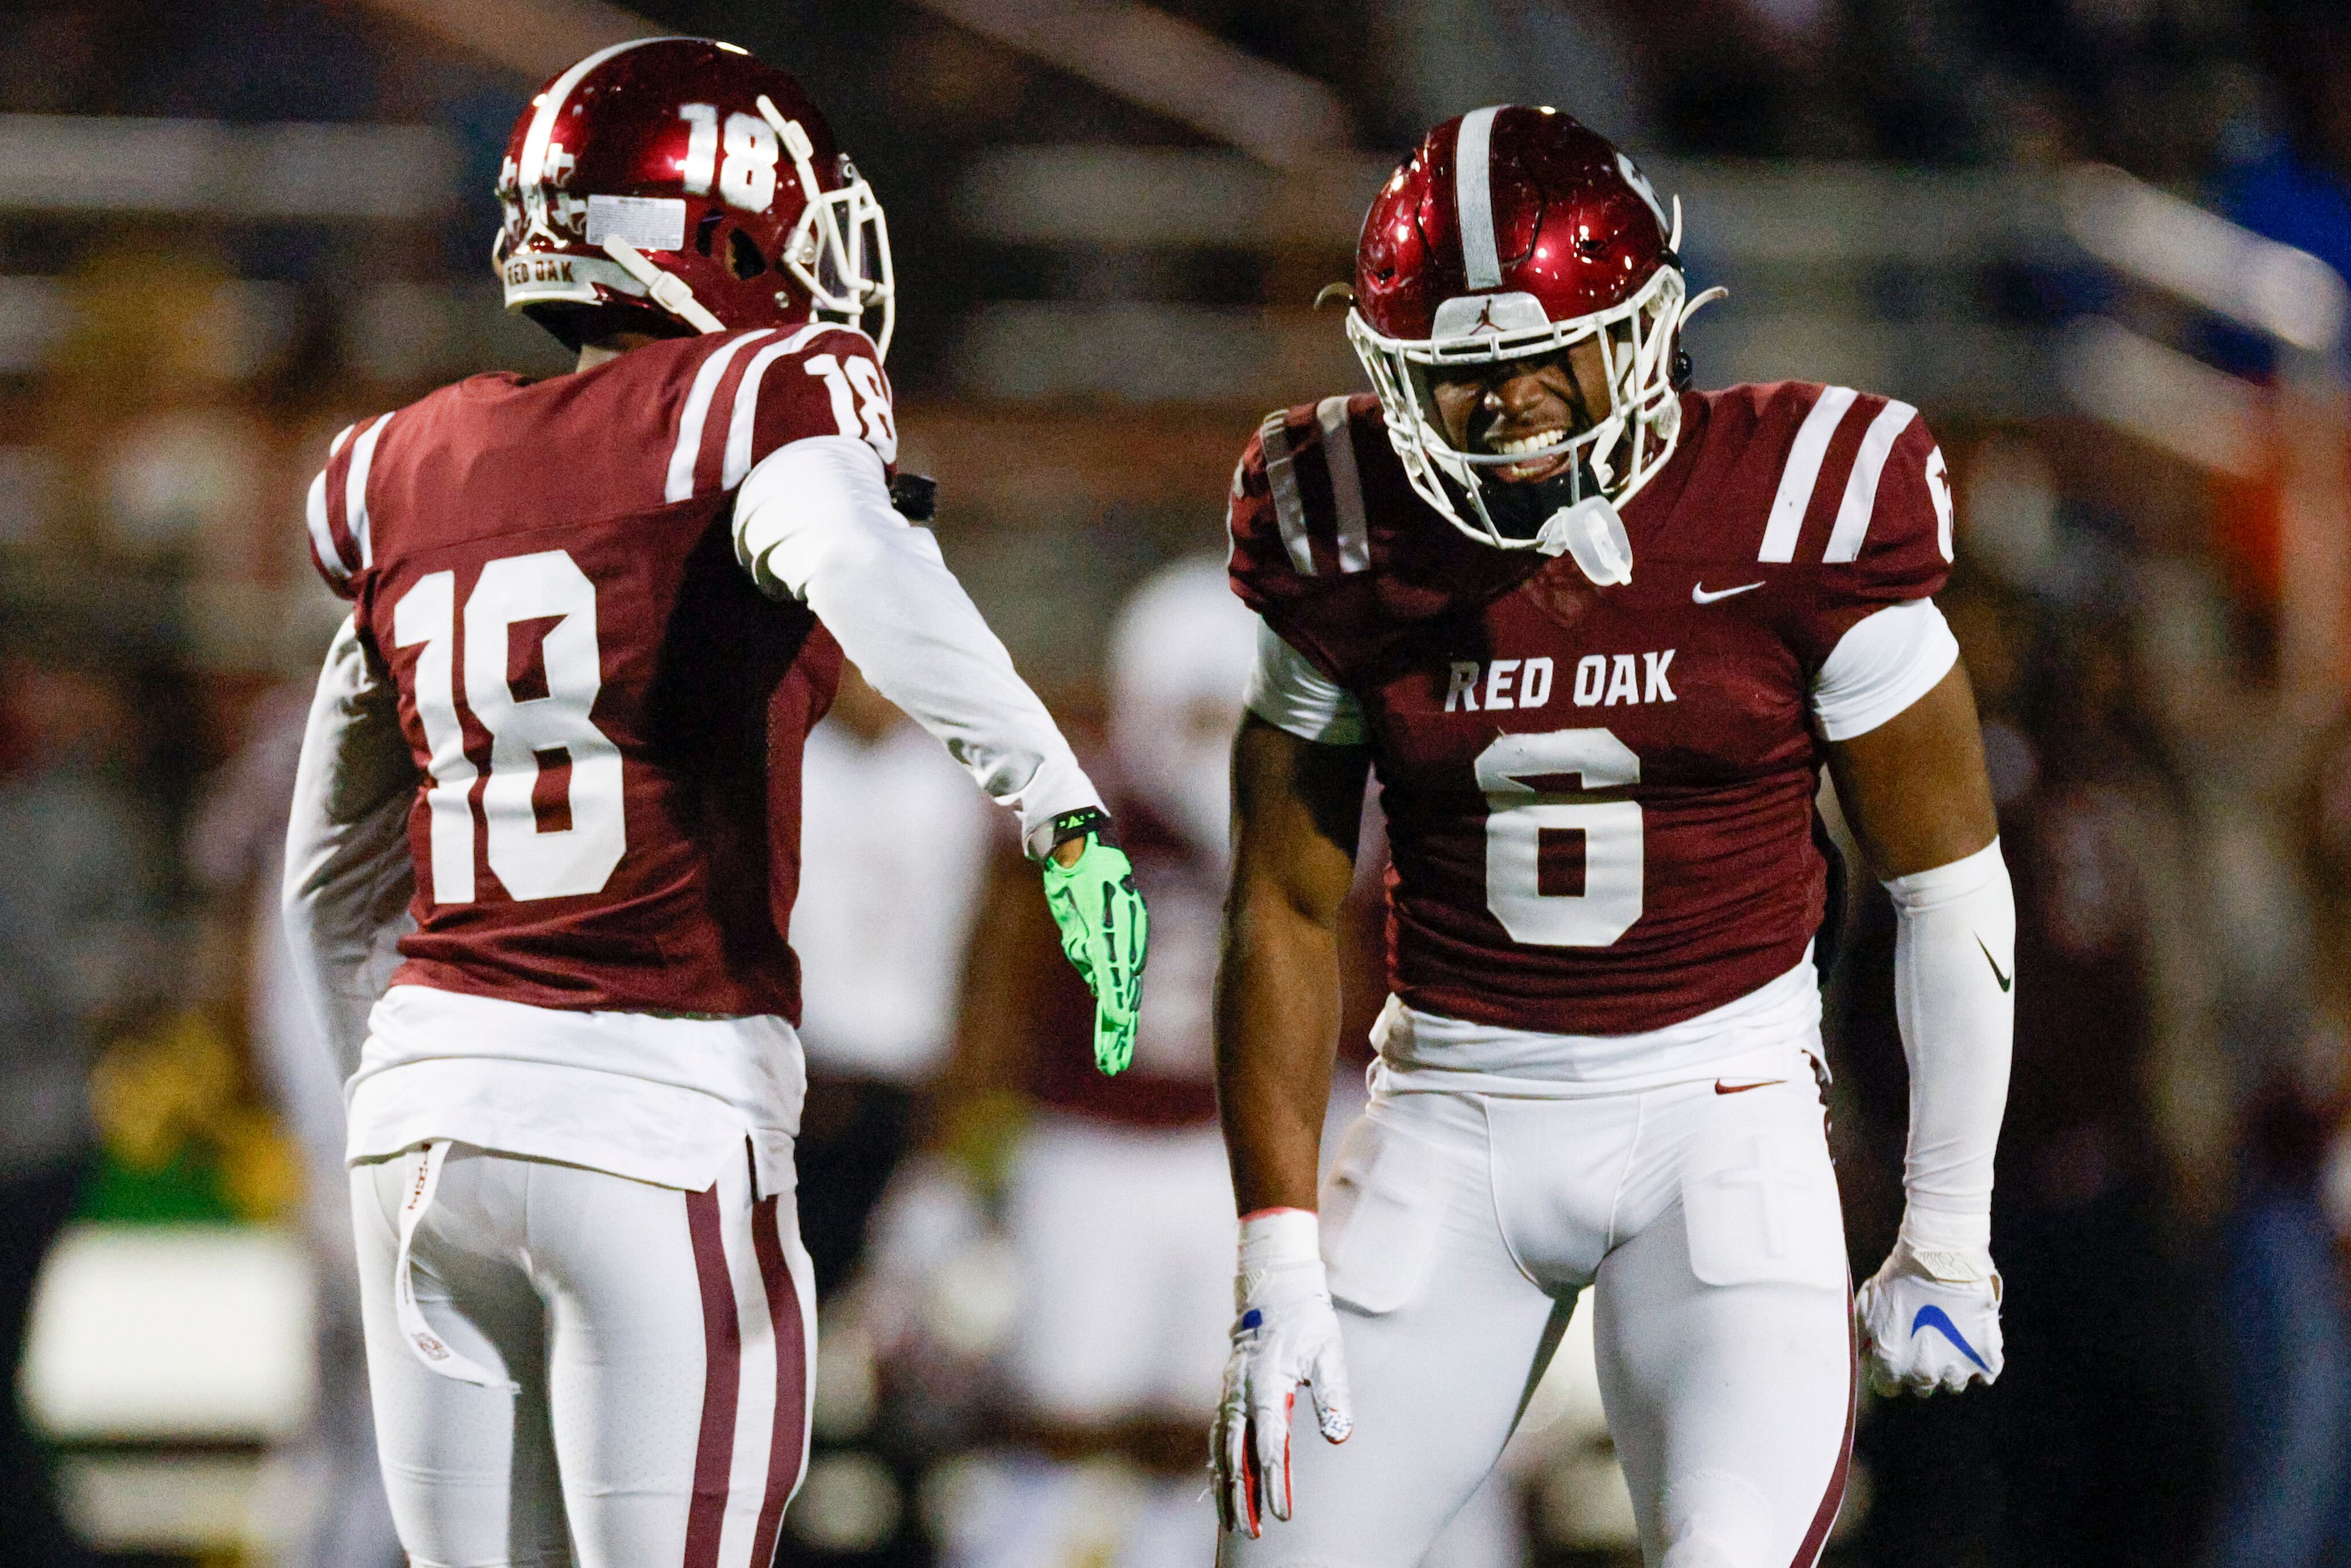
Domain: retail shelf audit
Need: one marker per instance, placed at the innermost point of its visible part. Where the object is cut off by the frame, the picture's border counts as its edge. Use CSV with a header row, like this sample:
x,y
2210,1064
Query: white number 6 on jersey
x,y
1518,814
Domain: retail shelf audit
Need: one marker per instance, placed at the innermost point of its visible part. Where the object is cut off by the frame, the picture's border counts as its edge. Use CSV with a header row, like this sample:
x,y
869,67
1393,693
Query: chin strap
x,y
668,290
1690,306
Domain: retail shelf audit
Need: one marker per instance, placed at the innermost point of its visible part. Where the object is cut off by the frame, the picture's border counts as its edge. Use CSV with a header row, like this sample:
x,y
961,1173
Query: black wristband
x,y
1078,824
914,497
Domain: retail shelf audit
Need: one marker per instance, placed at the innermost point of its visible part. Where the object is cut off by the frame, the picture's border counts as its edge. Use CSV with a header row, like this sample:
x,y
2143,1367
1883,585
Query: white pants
x,y
661,1342
1125,1238
1460,1230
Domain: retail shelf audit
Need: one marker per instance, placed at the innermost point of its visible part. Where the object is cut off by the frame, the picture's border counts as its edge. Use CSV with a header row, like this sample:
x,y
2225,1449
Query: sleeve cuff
x,y
1059,786
1883,664
1294,697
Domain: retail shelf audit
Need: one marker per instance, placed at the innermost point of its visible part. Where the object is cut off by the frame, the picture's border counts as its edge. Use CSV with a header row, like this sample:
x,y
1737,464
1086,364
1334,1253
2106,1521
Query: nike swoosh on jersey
x,y
1698,595
2005,980
1724,1086
1936,1318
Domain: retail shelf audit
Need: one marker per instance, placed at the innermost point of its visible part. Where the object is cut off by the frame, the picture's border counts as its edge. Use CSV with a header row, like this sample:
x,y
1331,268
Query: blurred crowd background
x,y
2101,243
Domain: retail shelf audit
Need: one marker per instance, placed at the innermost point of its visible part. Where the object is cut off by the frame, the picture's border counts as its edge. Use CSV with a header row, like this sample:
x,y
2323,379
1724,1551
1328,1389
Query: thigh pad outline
x,y
1760,1205
1383,1204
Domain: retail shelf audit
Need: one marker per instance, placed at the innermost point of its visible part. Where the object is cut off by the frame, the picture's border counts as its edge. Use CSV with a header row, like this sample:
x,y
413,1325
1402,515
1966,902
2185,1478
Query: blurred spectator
x,y
1113,1191
2288,1498
237,849
893,839
77,886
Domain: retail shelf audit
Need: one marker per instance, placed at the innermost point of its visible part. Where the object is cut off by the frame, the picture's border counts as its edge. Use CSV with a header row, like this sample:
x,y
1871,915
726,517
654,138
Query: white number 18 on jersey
x,y
532,861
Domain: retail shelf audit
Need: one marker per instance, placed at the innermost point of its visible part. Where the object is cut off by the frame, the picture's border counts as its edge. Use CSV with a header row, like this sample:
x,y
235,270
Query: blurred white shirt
x,y
893,839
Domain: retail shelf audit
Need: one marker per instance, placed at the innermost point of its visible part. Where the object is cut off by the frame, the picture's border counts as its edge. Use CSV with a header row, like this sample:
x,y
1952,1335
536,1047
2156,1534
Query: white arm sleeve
x,y
1883,664
814,522
1291,695
1954,965
348,874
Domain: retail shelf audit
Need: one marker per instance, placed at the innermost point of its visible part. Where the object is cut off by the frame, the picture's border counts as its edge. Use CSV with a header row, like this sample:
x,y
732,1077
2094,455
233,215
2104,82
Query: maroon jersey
x,y
1599,801
608,714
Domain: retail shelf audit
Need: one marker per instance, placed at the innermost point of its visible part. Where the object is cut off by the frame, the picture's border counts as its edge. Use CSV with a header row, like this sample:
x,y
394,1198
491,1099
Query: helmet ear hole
x,y
743,257
704,230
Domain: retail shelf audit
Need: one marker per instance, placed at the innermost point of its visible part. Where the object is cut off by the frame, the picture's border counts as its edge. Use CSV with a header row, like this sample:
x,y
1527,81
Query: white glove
x,y
1929,1320
1285,1334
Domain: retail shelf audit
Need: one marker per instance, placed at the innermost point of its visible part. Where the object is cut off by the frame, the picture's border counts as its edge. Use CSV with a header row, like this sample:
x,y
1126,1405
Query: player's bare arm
x,y
1914,789
1297,808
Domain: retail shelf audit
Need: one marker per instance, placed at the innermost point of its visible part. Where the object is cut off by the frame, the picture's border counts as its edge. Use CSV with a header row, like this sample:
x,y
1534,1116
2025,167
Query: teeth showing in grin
x,y
1520,444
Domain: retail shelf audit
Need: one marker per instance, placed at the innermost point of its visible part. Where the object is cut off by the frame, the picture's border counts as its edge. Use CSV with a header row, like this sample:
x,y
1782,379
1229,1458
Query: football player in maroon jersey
x,y
548,795
1597,633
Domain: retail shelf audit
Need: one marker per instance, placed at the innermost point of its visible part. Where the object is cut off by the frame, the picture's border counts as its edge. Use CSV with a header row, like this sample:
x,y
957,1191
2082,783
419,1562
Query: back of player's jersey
x,y
607,715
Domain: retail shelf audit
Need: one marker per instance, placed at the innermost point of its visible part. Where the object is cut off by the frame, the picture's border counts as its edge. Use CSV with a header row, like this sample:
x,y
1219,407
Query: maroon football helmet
x,y
678,182
1515,233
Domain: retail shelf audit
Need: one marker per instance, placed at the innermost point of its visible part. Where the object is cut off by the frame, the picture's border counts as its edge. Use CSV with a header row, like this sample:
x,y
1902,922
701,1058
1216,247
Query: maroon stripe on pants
x,y
790,1435
722,1341
1824,1518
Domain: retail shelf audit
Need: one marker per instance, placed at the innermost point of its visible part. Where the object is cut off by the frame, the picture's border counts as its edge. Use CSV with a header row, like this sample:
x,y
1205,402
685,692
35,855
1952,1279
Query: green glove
x,y
1105,930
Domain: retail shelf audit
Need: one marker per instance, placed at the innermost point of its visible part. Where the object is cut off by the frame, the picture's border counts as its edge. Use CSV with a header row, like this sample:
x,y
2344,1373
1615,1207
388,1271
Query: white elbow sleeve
x,y
1954,974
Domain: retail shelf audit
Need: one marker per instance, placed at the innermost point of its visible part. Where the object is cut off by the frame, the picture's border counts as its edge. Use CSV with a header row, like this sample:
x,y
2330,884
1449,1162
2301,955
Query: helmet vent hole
x,y
743,257
706,229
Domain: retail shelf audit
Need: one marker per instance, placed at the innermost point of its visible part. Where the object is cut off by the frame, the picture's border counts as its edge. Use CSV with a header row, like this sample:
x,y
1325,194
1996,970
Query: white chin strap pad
x,y
668,290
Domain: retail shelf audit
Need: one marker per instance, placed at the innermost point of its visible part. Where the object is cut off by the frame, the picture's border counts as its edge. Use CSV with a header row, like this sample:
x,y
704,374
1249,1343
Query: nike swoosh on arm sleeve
x,y
814,522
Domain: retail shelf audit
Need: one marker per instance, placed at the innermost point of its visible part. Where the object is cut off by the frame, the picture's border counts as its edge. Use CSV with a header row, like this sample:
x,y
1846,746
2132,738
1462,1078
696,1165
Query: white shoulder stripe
x,y
1346,484
1861,488
322,537
696,413
1473,195
355,506
742,427
336,444
1282,477
1797,480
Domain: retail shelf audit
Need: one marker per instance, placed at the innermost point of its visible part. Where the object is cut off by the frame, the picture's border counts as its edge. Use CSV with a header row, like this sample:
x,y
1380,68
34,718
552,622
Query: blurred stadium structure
x,y
227,230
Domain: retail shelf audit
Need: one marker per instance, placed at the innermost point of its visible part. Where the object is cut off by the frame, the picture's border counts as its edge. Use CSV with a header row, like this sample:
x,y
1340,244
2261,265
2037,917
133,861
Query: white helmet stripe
x,y
1473,193
533,166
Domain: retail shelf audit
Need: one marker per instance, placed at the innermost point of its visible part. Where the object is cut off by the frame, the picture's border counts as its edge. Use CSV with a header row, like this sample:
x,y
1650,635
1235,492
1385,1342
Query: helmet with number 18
x,y
1516,233
678,185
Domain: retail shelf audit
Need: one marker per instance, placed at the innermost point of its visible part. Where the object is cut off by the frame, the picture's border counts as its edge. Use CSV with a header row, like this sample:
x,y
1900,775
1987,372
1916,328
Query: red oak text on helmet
x,y
1575,223
670,184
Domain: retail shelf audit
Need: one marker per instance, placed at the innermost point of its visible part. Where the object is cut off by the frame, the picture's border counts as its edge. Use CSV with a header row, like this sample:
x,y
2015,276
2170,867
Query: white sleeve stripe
x,y
1346,484
355,506
743,426
1884,663
696,413
1295,697
1282,476
1803,474
336,444
322,537
1860,487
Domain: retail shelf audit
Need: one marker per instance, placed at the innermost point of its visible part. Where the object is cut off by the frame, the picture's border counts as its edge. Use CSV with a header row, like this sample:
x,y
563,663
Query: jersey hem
x,y
1422,1051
